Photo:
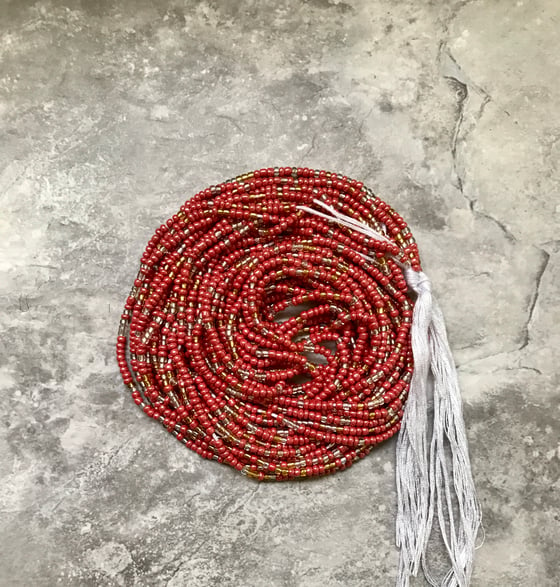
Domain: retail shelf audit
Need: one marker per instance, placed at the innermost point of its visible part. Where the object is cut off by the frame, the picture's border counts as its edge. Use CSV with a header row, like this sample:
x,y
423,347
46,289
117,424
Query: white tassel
x,y
414,517
429,482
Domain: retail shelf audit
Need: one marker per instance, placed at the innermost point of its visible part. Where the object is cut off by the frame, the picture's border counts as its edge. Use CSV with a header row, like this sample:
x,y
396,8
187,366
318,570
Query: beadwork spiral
x,y
203,350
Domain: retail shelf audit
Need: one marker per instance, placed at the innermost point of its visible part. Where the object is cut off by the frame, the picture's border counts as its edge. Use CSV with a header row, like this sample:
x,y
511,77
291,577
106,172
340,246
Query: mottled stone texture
x,y
113,113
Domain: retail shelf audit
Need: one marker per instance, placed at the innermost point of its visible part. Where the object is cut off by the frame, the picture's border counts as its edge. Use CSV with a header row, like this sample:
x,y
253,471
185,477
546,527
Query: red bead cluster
x,y
203,351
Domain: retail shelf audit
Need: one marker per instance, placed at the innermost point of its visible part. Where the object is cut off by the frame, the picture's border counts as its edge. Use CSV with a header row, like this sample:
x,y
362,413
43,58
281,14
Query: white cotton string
x,y
339,218
451,492
429,482
415,511
459,513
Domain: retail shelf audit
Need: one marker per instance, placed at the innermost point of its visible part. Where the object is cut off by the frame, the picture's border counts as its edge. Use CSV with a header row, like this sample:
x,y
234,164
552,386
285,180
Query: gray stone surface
x,y
112,113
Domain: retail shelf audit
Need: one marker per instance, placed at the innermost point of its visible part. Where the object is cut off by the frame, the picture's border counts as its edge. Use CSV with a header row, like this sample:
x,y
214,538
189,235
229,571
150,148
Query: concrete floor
x,y
112,113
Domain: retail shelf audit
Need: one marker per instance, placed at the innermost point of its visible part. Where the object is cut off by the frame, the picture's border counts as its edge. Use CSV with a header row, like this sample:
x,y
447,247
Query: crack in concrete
x,y
462,93
73,484
174,573
115,452
457,72
182,562
515,365
534,299
231,121
472,362
241,505
465,87
519,368
526,330
507,233
552,243
311,148
525,368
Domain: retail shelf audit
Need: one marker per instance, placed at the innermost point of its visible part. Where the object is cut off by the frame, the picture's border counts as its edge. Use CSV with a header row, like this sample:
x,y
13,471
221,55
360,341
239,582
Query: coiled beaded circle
x,y
203,349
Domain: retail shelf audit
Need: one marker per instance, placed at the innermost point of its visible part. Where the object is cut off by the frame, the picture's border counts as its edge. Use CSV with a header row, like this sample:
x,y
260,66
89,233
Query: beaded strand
x,y
203,351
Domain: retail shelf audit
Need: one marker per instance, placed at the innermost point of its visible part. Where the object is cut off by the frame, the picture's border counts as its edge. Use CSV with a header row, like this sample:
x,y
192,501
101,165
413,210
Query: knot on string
x,y
418,281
